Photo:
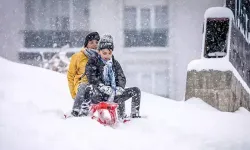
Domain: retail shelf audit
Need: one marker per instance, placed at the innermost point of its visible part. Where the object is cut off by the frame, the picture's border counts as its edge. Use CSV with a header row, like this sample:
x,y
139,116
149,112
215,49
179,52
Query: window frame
x,y
152,28
49,15
51,26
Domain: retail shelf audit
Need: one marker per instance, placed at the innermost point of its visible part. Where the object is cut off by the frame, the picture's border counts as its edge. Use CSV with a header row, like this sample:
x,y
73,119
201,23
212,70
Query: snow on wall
x,y
219,12
216,64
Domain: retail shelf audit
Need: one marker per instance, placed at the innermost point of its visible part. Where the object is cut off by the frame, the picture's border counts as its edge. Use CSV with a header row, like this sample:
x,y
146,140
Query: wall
x,y
225,87
220,89
240,54
11,23
185,35
187,21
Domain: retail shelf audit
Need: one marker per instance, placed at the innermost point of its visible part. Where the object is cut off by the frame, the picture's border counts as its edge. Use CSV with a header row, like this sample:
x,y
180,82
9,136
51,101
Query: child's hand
x,y
119,90
105,89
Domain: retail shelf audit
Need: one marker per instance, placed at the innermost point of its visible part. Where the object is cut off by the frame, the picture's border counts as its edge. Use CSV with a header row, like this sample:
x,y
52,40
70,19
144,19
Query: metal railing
x,y
53,38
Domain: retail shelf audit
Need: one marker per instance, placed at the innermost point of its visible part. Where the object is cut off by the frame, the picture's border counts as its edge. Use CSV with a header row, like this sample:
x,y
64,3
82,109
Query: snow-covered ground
x,y
32,101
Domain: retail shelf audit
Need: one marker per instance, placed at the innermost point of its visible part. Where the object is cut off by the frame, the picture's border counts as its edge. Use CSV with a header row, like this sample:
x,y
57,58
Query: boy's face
x,y
106,54
92,44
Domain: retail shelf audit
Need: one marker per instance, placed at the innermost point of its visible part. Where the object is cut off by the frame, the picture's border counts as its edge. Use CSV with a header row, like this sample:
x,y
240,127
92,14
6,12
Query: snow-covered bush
x,y
59,63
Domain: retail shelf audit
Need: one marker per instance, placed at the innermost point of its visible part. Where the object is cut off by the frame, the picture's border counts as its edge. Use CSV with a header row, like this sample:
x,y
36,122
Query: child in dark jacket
x,y
107,82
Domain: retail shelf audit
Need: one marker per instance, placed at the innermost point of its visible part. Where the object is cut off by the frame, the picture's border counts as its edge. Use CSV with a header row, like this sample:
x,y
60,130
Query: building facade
x,y
154,39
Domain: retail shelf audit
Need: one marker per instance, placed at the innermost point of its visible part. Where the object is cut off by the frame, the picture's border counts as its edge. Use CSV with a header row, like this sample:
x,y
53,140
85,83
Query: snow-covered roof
x,y
219,12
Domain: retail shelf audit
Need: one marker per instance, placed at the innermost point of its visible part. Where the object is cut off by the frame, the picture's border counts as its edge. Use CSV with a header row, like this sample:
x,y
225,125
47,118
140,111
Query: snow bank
x,y
221,64
218,12
23,83
32,101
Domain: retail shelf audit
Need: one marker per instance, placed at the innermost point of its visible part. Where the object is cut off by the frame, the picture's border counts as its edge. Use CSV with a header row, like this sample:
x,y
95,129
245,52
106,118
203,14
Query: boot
x,y
135,115
83,113
75,113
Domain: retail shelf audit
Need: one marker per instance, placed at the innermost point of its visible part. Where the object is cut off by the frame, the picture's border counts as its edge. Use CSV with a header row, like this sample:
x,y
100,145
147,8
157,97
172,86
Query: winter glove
x,y
119,90
105,89
112,97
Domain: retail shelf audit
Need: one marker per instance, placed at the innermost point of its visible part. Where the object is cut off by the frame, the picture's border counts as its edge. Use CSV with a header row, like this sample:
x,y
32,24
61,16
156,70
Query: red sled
x,y
100,107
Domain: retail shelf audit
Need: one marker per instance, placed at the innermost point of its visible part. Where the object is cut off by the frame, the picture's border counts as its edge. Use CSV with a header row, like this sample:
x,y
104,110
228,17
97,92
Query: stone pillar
x,y
220,89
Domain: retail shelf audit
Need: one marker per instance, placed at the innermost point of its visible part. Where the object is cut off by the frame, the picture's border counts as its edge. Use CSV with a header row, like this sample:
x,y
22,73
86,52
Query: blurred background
x,y
154,39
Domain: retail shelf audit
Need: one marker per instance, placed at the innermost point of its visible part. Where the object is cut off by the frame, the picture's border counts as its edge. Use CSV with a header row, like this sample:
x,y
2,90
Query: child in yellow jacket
x,y
78,63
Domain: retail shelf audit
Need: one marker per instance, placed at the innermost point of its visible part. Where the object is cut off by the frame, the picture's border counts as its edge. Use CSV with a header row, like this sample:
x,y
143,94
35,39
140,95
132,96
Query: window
x,y
29,11
46,14
81,14
146,26
130,16
161,16
145,18
56,23
216,38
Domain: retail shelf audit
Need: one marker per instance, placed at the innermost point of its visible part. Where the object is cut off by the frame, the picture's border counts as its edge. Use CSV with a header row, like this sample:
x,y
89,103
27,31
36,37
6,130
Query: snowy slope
x,y
32,100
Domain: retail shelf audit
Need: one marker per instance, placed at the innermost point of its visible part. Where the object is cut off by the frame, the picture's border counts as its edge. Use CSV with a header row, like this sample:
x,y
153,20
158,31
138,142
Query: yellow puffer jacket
x,y
76,70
